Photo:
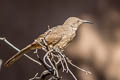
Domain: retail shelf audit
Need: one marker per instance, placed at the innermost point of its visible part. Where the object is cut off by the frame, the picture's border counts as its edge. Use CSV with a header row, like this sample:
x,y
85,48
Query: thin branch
x,y
61,61
6,41
45,58
63,58
69,61
72,74
49,71
35,77
1,63
53,67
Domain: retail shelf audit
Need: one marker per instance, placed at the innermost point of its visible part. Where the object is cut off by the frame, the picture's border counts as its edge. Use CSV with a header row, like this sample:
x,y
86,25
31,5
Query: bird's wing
x,y
55,35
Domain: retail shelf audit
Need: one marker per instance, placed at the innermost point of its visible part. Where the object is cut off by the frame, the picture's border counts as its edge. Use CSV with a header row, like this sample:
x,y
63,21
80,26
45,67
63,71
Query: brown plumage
x,y
56,37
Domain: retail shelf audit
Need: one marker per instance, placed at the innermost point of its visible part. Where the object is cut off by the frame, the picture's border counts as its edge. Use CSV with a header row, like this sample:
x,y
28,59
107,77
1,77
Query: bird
x,y
59,36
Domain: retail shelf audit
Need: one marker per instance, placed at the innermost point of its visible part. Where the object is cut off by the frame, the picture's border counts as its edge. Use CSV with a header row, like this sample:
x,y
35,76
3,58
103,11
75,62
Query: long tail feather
x,y
18,55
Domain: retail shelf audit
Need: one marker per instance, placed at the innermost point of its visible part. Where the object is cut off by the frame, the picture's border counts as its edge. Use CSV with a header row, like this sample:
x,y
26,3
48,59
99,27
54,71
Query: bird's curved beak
x,y
85,21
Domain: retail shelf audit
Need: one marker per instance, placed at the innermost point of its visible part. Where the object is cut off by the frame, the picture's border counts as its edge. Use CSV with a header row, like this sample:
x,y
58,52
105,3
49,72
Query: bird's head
x,y
75,22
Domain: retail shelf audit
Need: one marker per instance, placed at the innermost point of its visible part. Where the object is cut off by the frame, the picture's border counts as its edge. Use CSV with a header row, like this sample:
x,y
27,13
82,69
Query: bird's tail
x,y
19,54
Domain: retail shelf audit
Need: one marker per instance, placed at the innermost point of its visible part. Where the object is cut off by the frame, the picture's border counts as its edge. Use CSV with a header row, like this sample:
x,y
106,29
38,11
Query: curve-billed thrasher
x,y
57,37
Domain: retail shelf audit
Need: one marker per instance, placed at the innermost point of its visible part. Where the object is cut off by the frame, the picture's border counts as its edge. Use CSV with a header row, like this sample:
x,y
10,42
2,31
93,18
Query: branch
x,y
52,66
1,63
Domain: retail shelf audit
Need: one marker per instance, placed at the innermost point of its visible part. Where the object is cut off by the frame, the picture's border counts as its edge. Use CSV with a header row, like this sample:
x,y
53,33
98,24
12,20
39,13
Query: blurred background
x,y
96,47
